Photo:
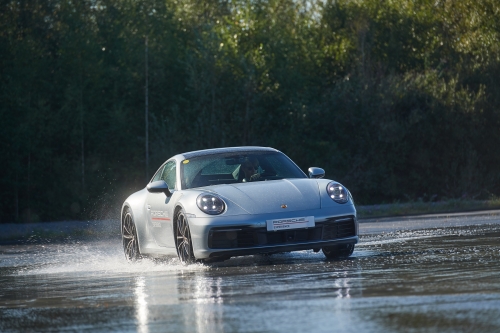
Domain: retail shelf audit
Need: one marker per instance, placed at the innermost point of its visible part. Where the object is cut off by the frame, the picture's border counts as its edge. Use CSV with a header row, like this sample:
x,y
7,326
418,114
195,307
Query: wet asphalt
x,y
420,274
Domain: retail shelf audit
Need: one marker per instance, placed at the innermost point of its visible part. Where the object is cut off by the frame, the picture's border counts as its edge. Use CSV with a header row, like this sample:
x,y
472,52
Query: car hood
x,y
269,196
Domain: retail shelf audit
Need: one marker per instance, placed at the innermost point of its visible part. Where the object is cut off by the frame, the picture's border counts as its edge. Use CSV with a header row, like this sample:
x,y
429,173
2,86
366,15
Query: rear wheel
x,y
183,241
341,251
129,238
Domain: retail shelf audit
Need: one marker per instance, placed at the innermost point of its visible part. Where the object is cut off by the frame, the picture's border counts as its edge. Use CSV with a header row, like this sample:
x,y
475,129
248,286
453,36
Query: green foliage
x,y
398,100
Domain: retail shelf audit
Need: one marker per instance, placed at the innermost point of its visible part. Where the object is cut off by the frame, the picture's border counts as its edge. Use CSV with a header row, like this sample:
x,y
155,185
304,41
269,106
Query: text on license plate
x,y
290,223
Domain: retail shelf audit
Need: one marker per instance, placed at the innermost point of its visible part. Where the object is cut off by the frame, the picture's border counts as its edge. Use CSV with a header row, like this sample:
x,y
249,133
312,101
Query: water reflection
x,y
209,299
209,311
343,285
141,305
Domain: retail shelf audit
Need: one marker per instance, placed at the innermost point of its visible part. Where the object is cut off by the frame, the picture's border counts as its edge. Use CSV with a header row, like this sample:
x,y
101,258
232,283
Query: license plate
x,y
290,223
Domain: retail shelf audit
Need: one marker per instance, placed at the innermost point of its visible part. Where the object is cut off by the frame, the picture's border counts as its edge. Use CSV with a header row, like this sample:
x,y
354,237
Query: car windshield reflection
x,y
237,168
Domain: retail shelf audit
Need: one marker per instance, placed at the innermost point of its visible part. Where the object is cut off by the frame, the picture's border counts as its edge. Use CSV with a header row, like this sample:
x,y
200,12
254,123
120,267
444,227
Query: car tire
x,y
183,242
341,251
129,237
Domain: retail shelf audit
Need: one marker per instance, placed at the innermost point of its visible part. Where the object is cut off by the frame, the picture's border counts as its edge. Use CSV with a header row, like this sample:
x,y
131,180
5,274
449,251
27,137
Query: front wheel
x,y
129,238
342,251
183,241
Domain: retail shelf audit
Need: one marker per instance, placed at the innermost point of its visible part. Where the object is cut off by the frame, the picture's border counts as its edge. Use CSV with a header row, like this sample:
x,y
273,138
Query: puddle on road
x,y
392,281
431,246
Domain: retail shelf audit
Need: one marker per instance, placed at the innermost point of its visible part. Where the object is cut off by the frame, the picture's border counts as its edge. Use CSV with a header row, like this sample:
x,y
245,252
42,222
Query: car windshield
x,y
237,168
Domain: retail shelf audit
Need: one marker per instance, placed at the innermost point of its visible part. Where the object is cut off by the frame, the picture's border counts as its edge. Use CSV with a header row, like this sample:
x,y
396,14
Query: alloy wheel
x,y
129,237
183,240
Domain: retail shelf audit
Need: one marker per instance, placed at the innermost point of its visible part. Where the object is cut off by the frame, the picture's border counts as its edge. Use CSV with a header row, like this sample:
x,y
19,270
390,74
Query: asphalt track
x,y
410,274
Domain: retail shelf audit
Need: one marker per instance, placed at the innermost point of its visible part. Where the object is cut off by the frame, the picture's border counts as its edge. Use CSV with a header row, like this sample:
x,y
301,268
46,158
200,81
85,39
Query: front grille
x,y
246,237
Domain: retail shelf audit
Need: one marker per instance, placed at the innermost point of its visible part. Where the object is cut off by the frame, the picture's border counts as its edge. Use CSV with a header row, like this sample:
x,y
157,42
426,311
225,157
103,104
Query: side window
x,y
158,175
169,175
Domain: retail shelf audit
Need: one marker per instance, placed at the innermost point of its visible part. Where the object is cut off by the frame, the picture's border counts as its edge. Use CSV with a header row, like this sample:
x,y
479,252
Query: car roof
x,y
229,150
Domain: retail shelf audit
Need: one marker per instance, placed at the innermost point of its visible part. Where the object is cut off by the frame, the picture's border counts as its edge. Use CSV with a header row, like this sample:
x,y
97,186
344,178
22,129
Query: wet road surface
x,y
438,277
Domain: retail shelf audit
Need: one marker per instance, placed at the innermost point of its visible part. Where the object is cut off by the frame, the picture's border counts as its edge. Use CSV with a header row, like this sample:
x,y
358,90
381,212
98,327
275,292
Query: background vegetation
x,y
398,100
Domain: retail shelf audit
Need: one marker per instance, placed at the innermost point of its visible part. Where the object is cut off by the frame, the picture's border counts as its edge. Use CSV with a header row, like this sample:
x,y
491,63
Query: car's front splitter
x,y
282,248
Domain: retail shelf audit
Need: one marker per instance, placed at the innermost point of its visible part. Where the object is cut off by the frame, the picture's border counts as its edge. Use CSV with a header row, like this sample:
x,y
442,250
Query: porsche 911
x,y
211,205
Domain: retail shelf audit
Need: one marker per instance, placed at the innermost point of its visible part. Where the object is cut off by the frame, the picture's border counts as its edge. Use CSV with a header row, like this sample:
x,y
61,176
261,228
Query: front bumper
x,y
227,236
282,248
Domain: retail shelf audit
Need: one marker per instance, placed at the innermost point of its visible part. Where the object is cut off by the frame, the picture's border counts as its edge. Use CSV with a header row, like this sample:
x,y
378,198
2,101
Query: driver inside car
x,y
250,167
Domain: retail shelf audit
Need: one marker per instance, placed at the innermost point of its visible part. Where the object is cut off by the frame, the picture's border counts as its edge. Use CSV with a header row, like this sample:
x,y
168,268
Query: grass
x,y
421,208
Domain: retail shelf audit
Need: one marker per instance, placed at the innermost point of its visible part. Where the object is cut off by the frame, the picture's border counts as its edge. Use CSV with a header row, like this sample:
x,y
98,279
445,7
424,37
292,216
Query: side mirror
x,y
316,172
159,186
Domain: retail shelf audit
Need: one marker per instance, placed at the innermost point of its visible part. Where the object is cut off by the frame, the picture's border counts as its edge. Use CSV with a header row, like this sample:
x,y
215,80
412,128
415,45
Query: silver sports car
x,y
213,204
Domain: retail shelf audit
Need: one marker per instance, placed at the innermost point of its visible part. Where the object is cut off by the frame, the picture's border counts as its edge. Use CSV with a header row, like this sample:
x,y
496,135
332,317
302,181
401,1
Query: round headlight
x,y
337,192
210,204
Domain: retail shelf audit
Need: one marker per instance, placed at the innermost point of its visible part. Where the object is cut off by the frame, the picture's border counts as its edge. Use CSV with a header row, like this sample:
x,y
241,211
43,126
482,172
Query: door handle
x,y
149,207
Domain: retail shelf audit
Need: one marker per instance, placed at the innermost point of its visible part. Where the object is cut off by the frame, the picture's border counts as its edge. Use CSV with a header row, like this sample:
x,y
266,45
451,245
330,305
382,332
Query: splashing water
x,y
83,257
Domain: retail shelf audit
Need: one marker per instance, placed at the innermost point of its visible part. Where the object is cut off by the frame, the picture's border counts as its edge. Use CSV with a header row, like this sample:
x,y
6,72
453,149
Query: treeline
x,y
398,100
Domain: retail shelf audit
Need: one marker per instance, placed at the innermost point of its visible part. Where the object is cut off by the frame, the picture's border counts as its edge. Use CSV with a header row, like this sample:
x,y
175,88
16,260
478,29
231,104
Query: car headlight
x,y
210,204
337,192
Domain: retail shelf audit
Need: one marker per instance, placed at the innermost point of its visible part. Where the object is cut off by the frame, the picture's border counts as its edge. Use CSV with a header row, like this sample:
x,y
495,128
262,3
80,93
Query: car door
x,y
159,206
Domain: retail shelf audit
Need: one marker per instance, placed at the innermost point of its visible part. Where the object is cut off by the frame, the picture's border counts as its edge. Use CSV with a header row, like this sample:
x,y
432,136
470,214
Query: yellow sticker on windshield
x,y
185,161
